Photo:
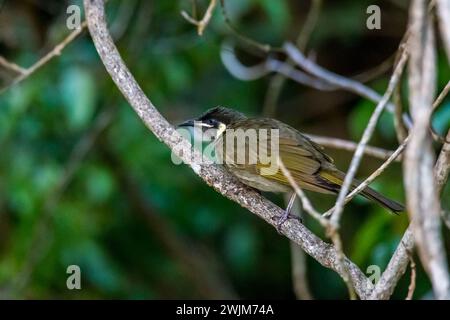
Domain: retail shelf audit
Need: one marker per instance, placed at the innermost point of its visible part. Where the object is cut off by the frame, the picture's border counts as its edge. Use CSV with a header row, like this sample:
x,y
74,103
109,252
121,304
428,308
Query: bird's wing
x,y
301,157
302,164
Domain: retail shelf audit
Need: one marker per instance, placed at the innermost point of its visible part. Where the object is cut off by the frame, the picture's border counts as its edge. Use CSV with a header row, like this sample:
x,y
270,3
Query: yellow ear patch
x,y
220,130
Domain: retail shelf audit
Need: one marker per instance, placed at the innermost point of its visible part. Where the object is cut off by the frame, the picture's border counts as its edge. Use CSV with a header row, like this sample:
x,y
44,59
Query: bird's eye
x,y
211,122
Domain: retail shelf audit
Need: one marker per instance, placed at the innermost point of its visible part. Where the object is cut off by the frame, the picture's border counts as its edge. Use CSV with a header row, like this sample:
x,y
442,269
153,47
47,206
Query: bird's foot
x,y
280,220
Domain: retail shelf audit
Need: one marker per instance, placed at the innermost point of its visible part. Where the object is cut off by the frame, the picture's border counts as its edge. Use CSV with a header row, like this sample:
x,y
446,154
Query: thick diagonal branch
x,y
422,196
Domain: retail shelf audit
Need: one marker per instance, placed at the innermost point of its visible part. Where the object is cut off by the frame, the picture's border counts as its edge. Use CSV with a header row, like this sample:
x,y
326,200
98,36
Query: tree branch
x,y
248,73
348,145
422,196
334,79
277,82
11,66
56,51
299,267
412,283
443,12
201,24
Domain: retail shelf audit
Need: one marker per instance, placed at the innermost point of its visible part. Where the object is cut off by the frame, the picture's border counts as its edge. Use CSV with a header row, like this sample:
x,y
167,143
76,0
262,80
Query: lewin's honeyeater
x,y
309,166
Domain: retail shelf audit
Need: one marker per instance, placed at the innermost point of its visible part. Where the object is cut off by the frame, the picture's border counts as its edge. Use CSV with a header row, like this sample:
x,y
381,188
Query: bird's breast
x,y
257,181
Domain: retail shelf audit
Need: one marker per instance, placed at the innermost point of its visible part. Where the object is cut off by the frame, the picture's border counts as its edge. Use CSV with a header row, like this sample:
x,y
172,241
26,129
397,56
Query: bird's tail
x,y
389,204
337,177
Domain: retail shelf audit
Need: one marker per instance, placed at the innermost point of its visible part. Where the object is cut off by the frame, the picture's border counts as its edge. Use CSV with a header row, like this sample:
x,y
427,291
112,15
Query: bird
x,y
308,164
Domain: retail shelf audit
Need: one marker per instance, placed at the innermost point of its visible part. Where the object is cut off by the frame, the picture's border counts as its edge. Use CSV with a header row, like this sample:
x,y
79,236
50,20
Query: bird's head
x,y
211,124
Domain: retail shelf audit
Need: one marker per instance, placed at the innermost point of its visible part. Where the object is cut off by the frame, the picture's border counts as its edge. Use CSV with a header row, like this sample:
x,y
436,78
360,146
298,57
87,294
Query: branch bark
x,y
443,165
299,266
348,145
443,12
422,196
396,268
56,51
399,261
213,175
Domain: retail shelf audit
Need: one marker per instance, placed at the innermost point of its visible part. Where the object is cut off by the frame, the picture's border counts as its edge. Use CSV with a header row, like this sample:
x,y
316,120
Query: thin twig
x,y
309,25
56,51
400,128
264,47
436,104
277,82
394,156
378,172
124,15
375,72
348,145
11,66
337,241
443,13
299,267
441,96
299,273
203,23
412,283
194,9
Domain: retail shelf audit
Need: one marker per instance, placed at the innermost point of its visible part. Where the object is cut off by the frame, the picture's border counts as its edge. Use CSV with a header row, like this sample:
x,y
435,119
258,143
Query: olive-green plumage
x,y
310,167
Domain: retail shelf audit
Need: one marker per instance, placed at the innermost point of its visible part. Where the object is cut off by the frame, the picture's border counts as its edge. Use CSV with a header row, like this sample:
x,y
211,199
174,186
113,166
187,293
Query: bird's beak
x,y
188,123
193,123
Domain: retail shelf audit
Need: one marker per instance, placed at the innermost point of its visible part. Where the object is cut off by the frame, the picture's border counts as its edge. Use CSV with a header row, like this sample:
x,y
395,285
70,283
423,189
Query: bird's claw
x,y
283,218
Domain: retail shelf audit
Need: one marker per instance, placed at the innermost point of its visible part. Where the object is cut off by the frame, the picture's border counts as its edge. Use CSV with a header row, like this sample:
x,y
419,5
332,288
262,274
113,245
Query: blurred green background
x,y
83,182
